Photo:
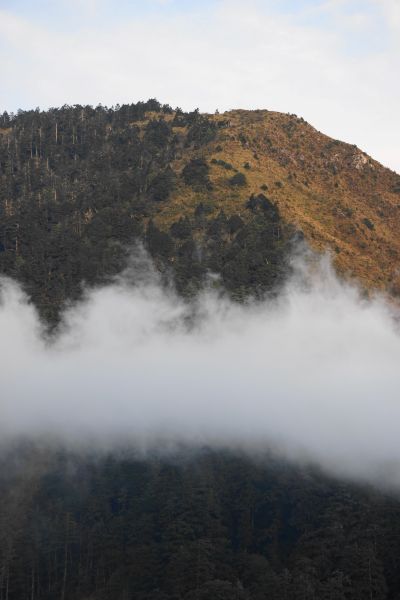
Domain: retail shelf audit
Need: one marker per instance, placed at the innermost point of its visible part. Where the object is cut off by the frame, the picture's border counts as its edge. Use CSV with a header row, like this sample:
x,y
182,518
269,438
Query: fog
x,y
313,375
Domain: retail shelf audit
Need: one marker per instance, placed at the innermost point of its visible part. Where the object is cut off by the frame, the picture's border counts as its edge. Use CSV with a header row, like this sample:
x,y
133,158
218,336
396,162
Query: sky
x,y
333,62
314,374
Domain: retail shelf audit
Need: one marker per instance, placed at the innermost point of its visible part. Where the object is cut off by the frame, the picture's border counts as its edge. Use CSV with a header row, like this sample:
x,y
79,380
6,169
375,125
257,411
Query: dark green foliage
x,y
255,259
222,163
368,223
158,242
234,224
162,185
238,180
251,257
348,211
181,229
157,133
202,210
202,130
76,184
196,174
262,202
396,187
210,525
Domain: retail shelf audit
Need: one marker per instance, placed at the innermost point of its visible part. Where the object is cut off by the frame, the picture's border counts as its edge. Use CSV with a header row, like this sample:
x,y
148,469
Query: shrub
x,y
195,174
269,209
368,223
234,224
222,163
162,185
201,210
238,180
181,229
158,242
396,187
157,133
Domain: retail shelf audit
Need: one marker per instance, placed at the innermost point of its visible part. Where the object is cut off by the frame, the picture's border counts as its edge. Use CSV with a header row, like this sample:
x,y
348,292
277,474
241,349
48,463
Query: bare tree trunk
x,y
7,582
64,584
16,240
33,584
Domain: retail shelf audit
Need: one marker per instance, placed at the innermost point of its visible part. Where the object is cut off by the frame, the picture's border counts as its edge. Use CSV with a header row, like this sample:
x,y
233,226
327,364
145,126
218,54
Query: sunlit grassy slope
x,y
342,200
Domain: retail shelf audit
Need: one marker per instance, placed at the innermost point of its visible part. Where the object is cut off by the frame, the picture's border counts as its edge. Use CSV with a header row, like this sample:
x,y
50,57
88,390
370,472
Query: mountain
x,y
231,194
225,193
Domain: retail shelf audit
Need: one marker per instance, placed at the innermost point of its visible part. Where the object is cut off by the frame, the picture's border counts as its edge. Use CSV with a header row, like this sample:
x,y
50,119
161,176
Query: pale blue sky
x,y
335,62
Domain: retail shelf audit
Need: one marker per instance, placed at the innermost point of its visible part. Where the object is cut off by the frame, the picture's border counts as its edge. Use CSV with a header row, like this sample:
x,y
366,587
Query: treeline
x,y
211,525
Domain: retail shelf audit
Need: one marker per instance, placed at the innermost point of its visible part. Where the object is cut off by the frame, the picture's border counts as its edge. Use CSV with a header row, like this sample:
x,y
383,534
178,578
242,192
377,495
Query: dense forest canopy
x,y
192,525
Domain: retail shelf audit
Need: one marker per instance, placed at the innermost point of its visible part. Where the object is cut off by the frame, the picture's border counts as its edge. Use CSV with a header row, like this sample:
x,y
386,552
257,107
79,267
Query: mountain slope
x,y
338,196
224,193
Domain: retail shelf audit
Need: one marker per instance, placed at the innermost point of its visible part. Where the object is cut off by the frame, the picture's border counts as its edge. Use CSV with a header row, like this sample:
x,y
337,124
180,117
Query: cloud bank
x,y
314,376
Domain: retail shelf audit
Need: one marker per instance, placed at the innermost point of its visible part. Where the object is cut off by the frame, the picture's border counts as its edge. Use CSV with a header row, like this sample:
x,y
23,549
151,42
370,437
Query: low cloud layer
x,y
314,375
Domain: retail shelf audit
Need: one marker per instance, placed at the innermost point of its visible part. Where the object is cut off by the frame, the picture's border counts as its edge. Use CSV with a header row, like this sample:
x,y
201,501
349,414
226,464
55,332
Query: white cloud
x,y
231,56
315,375
392,12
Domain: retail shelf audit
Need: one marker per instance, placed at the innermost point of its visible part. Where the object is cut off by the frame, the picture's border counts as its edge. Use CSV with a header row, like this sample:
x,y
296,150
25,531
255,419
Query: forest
x,y
80,187
202,524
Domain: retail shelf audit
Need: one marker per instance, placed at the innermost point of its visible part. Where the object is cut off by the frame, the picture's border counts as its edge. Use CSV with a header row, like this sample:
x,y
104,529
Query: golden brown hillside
x,y
340,198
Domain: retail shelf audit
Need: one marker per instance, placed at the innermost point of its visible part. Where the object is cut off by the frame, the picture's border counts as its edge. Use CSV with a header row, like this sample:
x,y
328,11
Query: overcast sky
x,y
334,62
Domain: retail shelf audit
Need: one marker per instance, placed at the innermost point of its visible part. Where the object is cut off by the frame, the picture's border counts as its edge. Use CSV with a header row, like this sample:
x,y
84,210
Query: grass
x,y
323,193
